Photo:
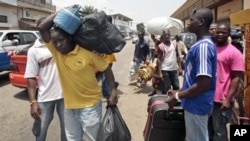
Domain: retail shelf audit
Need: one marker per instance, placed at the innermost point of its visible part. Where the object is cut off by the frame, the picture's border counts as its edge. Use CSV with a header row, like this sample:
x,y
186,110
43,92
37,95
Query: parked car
x,y
188,38
17,68
4,60
14,40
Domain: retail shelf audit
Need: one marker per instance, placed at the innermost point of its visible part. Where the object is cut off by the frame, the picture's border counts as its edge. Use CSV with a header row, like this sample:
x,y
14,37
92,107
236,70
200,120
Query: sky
x,y
140,11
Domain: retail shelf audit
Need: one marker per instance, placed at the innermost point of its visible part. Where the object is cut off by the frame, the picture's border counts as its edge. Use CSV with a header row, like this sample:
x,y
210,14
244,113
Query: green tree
x,y
140,27
89,10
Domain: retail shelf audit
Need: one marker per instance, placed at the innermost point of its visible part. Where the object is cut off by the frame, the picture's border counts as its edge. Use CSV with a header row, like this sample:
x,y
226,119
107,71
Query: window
x,y
3,19
43,1
28,38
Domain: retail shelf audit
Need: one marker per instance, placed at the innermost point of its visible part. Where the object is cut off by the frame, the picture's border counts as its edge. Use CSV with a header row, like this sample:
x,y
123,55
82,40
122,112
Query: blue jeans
x,y
219,120
170,78
83,123
196,126
105,84
47,113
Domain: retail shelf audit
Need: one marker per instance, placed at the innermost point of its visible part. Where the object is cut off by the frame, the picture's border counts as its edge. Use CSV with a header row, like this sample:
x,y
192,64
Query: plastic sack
x,y
99,35
156,26
113,127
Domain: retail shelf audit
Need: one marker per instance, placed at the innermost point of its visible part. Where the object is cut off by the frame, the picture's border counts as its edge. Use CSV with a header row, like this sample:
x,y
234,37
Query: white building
x,y
123,23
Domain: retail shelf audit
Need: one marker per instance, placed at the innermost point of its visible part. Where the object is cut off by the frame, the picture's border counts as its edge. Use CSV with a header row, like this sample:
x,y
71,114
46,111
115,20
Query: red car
x,y
17,68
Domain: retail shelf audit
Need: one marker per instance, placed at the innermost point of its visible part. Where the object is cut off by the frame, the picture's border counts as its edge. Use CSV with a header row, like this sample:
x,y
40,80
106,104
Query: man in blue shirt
x,y
141,54
199,78
141,49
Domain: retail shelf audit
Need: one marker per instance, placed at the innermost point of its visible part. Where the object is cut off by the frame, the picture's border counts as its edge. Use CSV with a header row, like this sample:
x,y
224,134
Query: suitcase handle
x,y
175,114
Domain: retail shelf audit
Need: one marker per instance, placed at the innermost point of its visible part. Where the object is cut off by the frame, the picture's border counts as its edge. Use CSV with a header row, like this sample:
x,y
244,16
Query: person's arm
x,y
113,99
45,26
235,81
34,107
159,61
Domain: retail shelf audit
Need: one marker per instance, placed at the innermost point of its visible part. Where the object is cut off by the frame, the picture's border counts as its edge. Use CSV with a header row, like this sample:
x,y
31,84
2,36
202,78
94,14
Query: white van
x,y
14,40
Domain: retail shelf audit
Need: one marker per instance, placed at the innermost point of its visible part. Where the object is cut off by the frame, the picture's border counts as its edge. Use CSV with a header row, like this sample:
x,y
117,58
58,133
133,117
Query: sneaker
x,y
152,93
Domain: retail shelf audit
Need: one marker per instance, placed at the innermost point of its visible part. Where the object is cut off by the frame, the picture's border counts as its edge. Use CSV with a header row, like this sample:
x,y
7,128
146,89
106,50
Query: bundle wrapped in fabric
x,y
157,25
98,34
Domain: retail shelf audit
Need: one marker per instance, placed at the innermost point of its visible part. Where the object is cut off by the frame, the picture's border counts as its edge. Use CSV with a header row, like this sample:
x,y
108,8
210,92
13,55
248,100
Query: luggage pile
x,y
93,32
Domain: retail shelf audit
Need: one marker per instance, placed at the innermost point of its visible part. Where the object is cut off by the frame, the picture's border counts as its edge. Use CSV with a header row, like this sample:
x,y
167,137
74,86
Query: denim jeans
x,y
105,84
196,127
220,119
170,78
47,113
83,123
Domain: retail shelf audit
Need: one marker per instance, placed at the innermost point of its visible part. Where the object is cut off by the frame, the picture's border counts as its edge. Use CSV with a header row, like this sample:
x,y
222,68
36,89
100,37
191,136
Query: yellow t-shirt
x,y
77,76
109,58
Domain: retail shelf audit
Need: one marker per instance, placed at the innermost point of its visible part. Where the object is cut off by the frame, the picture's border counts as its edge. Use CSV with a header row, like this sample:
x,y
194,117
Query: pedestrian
x,y
167,62
199,83
212,31
156,79
40,63
141,54
230,70
82,93
182,52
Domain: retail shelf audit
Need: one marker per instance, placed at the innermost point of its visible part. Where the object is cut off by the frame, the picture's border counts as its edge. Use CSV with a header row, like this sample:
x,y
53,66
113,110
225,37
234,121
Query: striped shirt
x,y
201,61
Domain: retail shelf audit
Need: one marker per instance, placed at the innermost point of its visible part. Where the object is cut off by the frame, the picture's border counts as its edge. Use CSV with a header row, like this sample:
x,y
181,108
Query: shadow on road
x,y
4,78
144,90
23,95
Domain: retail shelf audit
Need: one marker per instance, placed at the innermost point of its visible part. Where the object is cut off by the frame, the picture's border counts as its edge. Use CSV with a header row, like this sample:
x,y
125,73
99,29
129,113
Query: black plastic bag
x,y
99,35
113,127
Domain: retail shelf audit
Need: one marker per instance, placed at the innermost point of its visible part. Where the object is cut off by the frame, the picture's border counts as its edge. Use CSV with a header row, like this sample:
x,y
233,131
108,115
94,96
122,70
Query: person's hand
x,y
225,104
35,111
112,100
171,98
161,76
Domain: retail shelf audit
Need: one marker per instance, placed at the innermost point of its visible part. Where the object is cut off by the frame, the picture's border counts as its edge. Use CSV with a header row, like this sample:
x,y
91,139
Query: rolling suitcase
x,y
162,123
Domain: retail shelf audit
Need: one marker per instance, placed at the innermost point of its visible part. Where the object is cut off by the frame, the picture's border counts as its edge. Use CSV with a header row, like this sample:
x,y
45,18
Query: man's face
x,y
222,33
61,43
212,29
141,35
166,36
194,23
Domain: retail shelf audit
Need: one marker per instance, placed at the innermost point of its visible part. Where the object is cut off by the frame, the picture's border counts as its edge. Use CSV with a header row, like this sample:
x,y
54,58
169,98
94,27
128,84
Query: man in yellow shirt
x,y
76,69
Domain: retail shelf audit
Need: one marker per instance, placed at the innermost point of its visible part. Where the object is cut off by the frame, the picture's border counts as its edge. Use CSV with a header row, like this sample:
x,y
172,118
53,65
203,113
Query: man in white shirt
x,y
40,63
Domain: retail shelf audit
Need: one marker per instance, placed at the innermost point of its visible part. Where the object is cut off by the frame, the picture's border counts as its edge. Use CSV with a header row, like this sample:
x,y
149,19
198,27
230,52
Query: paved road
x,y
16,123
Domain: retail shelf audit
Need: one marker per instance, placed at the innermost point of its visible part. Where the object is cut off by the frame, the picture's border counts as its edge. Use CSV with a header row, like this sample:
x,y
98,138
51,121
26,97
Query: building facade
x,y
123,23
23,14
221,9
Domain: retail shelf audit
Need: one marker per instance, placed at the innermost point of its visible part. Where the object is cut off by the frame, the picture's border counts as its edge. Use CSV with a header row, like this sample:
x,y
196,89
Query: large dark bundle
x,y
97,34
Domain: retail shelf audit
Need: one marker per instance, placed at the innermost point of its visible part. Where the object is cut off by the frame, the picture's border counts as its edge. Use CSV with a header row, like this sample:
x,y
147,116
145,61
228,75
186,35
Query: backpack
x,y
99,35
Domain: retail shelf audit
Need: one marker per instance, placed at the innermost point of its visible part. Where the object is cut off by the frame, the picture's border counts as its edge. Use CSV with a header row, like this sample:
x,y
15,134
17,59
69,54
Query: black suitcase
x,y
164,124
